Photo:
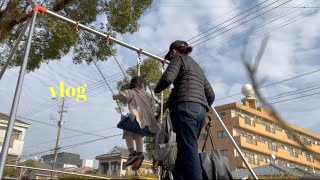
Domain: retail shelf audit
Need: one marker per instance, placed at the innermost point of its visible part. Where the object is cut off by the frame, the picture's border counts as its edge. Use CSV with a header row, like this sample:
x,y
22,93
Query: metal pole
x,y
14,108
15,47
55,15
235,145
60,123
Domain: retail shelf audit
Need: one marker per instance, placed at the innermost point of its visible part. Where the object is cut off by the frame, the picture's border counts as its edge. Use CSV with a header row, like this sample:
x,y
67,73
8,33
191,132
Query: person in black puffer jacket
x,y
188,103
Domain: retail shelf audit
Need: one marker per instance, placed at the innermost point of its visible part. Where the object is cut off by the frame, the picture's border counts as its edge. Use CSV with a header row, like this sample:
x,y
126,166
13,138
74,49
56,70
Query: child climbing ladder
x,y
141,107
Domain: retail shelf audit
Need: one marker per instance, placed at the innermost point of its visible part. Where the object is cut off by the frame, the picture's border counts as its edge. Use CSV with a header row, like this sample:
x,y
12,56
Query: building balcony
x,y
263,148
16,149
271,133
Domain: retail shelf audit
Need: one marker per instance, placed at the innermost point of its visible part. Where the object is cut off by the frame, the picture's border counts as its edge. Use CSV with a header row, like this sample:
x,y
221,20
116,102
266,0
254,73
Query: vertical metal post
x,y
235,145
15,103
15,47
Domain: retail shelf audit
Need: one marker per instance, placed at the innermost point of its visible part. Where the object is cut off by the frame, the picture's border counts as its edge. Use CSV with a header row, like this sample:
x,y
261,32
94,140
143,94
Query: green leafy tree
x,y
53,38
30,163
151,72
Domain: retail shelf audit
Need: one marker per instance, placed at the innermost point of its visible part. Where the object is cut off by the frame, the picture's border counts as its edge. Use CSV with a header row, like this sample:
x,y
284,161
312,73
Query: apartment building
x,y
64,160
261,138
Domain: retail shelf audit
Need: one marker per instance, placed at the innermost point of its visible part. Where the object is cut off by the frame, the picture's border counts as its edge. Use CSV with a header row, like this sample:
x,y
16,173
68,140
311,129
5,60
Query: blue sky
x,y
292,50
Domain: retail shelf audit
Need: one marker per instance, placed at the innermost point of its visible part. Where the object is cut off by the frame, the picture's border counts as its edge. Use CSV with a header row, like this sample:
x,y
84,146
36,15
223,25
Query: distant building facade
x,y
64,160
113,163
17,138
87,163
261,138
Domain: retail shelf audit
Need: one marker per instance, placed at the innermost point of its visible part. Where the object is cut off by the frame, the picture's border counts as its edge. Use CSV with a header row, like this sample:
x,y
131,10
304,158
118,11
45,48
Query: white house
x,y
87,163
17,138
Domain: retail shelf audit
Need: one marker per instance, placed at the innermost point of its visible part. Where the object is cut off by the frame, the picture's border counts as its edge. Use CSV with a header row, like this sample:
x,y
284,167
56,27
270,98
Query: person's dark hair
x,y
137,82
184,49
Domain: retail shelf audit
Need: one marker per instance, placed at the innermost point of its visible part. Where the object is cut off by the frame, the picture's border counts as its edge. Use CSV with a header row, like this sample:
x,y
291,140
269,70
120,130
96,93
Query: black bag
x,y
127,124
212,164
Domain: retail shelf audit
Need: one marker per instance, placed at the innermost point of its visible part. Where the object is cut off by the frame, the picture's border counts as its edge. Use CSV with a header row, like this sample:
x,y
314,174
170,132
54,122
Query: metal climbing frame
x,y
31,24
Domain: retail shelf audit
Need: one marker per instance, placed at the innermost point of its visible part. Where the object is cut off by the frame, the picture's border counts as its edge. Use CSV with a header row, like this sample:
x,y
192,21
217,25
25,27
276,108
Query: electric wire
x,y
275,83
254,28
66,137
194,45
286,23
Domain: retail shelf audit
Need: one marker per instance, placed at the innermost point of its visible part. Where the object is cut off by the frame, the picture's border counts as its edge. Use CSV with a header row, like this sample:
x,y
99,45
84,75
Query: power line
x,y
274,83
228,20
112,77
73,145
47,106
291,93
276,102
70,129
196,6
286,23
67,137
254,28
235,26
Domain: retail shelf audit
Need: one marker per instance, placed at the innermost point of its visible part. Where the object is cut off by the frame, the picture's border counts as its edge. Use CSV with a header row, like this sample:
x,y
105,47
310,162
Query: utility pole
x,y
60,123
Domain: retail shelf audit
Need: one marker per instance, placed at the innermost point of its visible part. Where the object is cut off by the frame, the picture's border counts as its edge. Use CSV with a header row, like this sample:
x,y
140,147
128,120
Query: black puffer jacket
x,y
190,83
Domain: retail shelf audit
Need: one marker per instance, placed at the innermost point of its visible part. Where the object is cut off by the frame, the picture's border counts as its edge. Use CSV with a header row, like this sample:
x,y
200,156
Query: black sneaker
x,y
132,158
137,164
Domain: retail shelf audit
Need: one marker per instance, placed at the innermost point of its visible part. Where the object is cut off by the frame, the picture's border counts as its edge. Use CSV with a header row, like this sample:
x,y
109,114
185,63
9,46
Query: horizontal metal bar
x,y
64,172
81,26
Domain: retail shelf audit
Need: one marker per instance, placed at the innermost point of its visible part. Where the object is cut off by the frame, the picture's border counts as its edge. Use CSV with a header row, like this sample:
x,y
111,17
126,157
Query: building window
x,y
272,147
249,121
224,152
124,166
250,157
309,158
293,153
251,141
222,115
262,158
248,135
289,135
221,134
307,141
269,129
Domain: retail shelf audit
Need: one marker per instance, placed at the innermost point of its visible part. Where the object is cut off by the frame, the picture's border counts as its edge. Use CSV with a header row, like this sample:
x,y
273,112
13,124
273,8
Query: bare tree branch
x,y
252,73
